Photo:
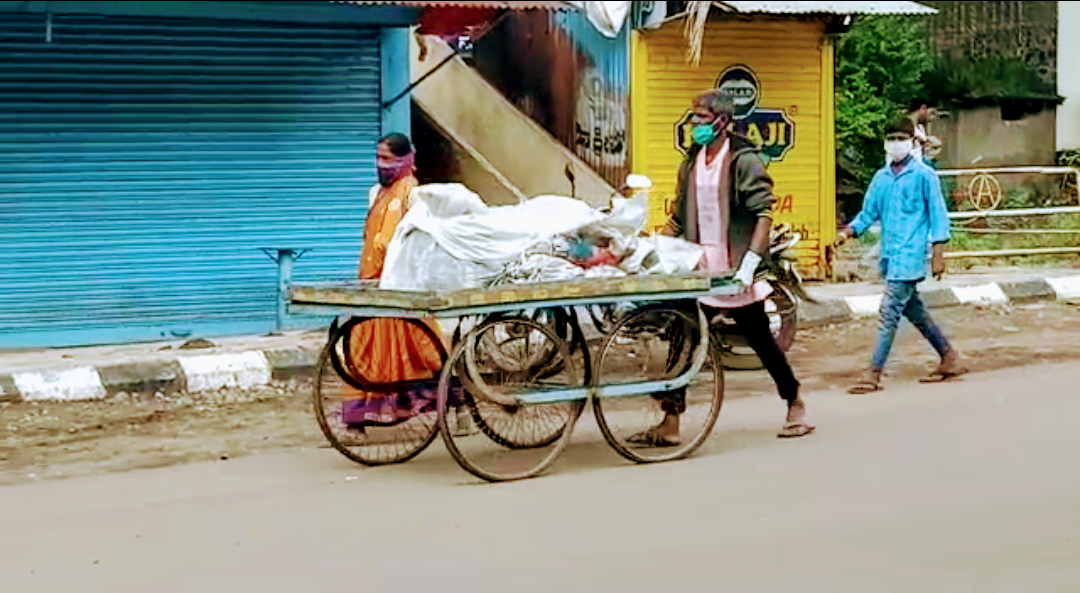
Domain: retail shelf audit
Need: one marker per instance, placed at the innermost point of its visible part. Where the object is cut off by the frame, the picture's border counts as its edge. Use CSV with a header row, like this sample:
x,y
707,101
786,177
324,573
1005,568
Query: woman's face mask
x,y
899,149
392,168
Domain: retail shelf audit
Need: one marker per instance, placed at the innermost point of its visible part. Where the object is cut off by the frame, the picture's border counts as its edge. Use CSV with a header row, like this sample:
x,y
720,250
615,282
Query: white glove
x,y
745,273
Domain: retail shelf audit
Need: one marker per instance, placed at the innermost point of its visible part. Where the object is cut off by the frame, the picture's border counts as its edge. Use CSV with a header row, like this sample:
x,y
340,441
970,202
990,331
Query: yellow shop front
x,y
780,72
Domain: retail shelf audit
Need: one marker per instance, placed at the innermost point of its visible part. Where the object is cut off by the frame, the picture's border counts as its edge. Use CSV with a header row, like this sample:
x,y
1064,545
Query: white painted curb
x,y
245,370
864,306
1065,288
77,384
982,293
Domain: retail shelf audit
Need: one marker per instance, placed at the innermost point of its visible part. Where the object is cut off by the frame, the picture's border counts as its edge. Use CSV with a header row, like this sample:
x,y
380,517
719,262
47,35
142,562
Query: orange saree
x,y
389,350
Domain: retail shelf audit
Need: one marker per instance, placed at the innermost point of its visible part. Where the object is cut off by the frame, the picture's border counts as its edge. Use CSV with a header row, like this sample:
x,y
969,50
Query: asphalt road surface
x,y
965,486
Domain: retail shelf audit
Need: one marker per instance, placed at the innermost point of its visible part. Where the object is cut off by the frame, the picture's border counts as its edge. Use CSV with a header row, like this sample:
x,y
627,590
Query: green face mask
x,y
704,134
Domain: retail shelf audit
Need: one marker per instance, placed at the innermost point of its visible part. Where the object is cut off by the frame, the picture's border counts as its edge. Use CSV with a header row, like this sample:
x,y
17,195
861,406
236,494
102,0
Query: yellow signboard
x,y
779,73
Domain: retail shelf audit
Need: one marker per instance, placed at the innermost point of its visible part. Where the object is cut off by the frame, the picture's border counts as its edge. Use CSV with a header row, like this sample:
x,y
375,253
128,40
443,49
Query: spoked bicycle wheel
x,y
391,428
562,321
502,356
658,343
512,375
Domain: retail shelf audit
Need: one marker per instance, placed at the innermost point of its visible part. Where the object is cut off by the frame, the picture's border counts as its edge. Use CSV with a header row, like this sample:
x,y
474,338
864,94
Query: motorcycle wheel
x,y
783,313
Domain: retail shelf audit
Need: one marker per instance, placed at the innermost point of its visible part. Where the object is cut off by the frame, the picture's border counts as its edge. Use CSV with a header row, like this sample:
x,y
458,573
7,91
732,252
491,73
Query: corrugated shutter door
x,y
145,162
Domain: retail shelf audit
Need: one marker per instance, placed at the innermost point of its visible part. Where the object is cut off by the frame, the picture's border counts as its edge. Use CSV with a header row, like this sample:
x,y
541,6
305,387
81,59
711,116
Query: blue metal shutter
x,y
145,162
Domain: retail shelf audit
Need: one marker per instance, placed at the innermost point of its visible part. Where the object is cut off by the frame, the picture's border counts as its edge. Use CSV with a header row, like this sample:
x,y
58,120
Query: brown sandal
x,y
939,376
651,438
950,368
868,383
864,387
795,430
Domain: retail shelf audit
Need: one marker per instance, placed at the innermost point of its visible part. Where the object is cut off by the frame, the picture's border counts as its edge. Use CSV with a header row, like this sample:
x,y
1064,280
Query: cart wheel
x,y
658,343
498,365
411,424
566,327
545,363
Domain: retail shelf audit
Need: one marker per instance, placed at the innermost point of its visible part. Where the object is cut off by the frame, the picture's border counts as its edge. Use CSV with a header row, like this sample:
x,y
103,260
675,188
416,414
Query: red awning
x,y
471,5
451,19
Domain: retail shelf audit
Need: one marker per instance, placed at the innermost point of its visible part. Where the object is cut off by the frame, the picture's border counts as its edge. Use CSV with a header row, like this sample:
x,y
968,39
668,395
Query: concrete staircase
x,y
505,156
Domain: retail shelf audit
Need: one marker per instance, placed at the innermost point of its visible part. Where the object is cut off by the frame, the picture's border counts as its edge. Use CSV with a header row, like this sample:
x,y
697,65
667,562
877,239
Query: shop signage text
x,y
771,129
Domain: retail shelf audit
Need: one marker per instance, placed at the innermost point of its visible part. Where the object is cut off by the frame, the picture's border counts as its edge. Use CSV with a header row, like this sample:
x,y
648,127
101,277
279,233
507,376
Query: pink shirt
x,y
712,230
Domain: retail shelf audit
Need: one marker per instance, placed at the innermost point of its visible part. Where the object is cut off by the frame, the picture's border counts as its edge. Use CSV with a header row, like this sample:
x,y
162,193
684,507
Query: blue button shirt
x,y
912,213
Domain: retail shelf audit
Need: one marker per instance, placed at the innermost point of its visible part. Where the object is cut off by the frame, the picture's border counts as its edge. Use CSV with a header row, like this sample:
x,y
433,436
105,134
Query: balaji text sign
x,y
771,129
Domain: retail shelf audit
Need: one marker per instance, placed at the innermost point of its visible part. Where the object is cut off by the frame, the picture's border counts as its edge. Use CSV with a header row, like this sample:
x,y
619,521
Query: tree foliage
x,y
885,61
881,64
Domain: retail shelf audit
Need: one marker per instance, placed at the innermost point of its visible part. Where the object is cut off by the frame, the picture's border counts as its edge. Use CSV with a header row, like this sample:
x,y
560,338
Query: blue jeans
x,y
902,300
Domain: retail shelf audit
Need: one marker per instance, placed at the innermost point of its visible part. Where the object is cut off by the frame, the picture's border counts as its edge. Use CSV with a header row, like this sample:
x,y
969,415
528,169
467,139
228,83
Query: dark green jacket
x,y
750,195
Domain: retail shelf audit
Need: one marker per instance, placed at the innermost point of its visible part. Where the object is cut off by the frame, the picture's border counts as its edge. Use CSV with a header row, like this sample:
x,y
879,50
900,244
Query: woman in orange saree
x,y
386,350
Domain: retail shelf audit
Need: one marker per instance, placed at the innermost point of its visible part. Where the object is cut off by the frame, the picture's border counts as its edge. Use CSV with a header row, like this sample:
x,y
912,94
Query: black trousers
x,y
753,323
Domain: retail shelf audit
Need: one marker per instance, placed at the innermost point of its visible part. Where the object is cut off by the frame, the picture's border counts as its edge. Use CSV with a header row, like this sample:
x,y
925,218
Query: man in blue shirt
x,y
905,197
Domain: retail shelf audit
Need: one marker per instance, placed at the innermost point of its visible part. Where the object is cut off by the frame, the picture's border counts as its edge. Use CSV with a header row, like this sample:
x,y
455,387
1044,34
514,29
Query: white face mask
x,y
899,150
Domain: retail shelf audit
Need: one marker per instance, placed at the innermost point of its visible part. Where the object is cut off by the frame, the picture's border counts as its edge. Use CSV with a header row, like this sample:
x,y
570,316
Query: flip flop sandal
x,y
942,376
864,387
795,430
651,438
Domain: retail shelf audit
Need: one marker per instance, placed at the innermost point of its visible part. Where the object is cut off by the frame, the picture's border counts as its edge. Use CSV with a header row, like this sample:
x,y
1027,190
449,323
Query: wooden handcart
x,y
520,370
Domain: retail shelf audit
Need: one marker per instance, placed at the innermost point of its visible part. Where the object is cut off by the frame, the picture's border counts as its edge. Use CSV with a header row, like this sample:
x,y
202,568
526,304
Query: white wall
x,y
1068,72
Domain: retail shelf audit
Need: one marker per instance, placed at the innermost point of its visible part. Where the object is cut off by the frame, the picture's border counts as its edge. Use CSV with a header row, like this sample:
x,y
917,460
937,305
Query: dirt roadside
x,y
57,440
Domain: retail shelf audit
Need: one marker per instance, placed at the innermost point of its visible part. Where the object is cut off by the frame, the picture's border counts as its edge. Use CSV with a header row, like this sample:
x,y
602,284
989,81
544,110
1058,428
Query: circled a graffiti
x,y
984,193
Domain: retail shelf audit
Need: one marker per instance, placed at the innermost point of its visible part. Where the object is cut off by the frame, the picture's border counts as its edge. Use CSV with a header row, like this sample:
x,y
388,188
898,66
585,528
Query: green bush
x,y
1069,158
988,81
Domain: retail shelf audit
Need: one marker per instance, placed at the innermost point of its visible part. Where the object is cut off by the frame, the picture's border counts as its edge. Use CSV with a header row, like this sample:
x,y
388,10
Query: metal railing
x,y
985,195
1007,170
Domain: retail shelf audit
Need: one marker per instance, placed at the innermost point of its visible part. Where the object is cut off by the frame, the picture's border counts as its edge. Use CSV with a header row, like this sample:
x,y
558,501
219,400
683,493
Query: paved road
x,y
968,486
